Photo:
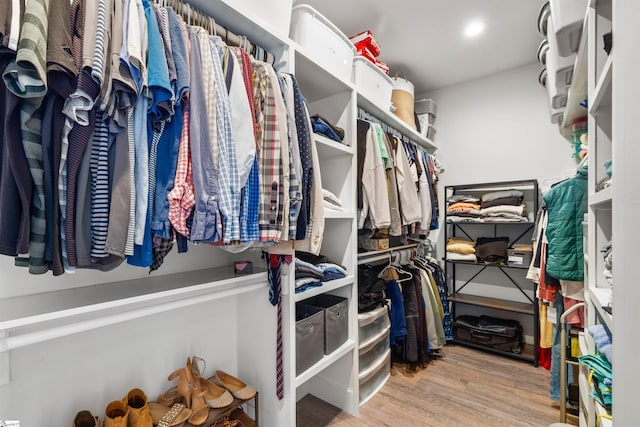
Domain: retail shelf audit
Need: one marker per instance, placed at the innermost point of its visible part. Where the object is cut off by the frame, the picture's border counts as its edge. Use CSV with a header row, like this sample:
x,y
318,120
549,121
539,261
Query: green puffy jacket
x,y
566,204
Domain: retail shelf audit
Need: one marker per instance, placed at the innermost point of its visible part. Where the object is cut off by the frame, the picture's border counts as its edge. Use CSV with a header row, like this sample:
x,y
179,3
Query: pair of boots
x,y
132,411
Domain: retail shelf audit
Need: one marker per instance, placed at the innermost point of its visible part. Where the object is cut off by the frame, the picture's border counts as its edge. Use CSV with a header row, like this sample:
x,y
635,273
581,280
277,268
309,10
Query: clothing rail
x,y
364,115
193,16
367,257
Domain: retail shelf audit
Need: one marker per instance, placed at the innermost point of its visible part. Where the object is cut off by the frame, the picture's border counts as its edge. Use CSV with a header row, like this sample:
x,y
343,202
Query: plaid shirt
x,y
181,197
228,179
269,140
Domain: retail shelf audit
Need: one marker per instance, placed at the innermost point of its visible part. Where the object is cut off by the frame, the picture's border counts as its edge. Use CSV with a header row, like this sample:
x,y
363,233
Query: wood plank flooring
x,y
466,388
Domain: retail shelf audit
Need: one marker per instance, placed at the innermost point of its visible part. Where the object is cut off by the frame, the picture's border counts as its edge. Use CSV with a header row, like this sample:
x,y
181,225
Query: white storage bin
x,y
373,379
567,17
323,41
372,82
426,106
372,323
557,66
276,13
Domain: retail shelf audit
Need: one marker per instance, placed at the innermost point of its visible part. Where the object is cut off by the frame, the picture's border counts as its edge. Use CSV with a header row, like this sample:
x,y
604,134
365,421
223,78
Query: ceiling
x,y
424,39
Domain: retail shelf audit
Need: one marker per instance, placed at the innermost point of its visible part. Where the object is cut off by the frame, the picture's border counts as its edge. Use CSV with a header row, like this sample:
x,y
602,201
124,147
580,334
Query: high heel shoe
x,y
234,385
185,381
199,407
215,396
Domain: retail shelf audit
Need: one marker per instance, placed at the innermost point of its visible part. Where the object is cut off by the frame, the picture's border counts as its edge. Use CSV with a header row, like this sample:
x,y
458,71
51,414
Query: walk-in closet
x,y
313,213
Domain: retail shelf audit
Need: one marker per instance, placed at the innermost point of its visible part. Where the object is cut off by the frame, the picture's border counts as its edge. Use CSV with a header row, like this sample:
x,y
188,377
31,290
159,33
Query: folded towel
x,y
602,339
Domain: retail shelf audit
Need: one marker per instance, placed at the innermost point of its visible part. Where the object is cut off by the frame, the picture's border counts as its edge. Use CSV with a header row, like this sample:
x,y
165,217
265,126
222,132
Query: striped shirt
x,y
99,168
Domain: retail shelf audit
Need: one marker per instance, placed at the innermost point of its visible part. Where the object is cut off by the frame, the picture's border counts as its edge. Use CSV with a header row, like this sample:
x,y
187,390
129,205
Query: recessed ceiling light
x,y
474,28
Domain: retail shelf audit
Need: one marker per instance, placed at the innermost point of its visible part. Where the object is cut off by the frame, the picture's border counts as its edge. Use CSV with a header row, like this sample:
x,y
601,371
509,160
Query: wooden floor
x,y
466,387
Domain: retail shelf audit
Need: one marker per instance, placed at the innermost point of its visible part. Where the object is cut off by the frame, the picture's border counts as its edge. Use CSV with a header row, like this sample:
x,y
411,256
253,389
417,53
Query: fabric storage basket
x,y
324,42
402,98
426,106
372,82
372,323
336,320
309,336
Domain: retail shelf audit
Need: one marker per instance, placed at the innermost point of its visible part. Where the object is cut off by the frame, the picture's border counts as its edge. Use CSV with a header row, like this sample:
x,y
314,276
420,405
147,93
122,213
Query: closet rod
x,y
366,257
193,16
365,115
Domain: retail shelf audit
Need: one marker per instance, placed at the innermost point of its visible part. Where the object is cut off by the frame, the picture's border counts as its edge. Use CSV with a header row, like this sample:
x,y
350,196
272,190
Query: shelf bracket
x,y
4,359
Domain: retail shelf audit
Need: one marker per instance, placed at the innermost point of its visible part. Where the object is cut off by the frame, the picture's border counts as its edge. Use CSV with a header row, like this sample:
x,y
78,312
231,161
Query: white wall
x,y
493,129
497,128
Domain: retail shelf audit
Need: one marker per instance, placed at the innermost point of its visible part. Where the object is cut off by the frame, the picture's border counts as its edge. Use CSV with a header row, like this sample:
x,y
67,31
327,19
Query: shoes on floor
x,y
239,389
163,416
215,396
116,414
86,419
139,415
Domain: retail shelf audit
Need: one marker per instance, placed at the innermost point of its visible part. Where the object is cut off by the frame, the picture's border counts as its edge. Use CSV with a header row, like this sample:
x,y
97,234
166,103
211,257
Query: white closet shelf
x,y
325,362
601,297
578,88
601,199
243,22
582,343
331,214
392,120
318,83
332,147
27,320
326,287
602,98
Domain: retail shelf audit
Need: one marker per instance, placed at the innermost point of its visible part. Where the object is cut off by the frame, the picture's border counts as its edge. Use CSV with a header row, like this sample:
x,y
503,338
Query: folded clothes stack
x,y
326,128
459,249
608,262
309,275
497,206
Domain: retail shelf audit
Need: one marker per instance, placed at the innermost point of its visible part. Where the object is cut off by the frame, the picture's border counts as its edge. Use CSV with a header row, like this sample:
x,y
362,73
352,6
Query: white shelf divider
x,y
334,145
602,99
325,362
578,87
331,214
326,287
602,198
601,297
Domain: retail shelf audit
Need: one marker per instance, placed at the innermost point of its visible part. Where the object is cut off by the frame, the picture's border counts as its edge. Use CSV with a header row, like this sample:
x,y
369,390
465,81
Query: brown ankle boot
x,y
116,414
86,419
139,415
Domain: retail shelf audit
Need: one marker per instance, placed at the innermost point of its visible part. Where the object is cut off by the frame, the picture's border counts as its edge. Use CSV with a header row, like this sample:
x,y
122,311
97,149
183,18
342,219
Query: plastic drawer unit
x,y
567,17
322,40
372,379
371,350
372,323
372,82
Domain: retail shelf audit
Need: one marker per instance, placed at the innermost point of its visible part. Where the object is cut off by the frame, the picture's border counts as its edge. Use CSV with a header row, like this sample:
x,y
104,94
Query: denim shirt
x,y
207,224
